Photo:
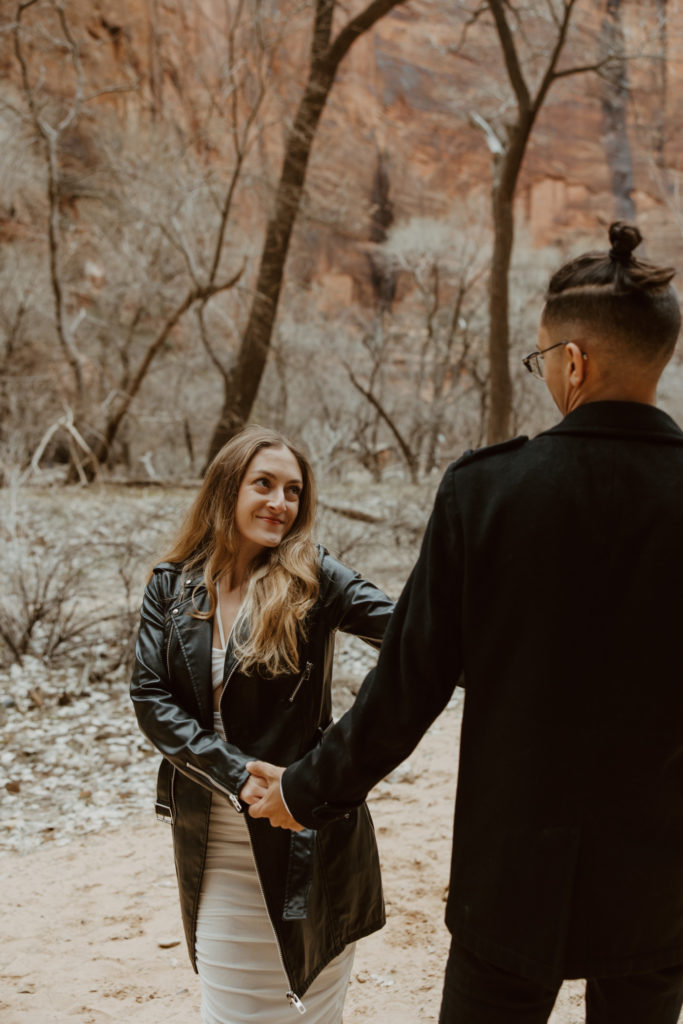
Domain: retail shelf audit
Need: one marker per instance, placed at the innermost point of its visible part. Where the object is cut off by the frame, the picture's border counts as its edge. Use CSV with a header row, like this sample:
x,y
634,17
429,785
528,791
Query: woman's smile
x,y
268,498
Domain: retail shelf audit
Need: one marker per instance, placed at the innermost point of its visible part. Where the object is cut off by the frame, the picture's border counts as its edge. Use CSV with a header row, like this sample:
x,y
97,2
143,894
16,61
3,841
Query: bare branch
x,y
550,74
582,69
194,295
408,455
351,513
474,17
510,55
50,137
356,27
110,90
495,145
176,239
71,116
204,335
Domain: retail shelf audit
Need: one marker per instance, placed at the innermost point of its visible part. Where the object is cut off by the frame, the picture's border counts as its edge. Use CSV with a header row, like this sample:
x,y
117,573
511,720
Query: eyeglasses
x,y
534,361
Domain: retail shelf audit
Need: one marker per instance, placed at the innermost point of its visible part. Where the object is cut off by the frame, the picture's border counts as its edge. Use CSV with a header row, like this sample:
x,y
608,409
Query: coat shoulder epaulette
x,y
491,449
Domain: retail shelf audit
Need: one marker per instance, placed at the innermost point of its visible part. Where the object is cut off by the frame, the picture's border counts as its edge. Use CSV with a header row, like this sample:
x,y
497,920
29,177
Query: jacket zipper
x,y
171,794
230,796
215,785
168,649
291,995
304,676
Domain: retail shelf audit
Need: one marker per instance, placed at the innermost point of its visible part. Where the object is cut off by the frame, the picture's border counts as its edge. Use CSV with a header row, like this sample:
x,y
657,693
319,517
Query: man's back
x,y
569,833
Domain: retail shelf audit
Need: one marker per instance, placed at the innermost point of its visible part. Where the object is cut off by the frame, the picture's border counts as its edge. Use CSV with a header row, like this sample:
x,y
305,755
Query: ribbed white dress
x,y
238,960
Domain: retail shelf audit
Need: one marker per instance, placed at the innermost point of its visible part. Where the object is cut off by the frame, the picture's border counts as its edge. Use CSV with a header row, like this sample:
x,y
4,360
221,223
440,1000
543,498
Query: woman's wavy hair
x,y
620,297
283,584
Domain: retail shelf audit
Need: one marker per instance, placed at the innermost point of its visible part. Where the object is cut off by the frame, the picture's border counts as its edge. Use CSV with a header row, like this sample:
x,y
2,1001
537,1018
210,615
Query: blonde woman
x,y
234,663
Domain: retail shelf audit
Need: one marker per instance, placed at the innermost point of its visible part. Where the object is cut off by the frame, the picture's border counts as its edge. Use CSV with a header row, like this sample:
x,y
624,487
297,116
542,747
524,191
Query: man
x,y
549,577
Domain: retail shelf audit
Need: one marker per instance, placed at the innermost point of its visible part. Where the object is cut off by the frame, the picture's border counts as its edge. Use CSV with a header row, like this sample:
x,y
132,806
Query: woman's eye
x,y
294,492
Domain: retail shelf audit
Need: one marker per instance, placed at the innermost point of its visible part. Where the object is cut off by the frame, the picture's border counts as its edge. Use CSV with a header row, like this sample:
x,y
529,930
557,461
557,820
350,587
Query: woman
x,y
234,662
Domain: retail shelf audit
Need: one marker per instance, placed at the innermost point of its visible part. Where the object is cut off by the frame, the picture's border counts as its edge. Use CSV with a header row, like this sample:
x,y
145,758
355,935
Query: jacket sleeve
x,y
418,668
197,752
353,604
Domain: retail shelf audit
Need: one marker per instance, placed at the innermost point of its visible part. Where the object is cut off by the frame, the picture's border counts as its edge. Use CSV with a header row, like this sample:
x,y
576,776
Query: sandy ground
x,y
91,930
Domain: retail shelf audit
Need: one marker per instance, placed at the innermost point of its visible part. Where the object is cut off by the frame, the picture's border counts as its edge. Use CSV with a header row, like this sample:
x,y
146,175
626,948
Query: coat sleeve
x,y
419,665
197,752
353,604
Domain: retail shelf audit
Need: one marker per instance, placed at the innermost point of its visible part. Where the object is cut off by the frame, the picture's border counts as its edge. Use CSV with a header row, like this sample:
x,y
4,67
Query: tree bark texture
x,y
662,89
506,175
614,102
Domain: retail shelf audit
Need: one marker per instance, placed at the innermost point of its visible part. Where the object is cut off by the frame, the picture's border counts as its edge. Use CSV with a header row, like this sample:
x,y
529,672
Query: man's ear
x,y
576,363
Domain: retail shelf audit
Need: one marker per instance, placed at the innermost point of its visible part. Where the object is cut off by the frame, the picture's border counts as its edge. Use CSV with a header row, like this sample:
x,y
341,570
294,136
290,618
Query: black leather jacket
x,y
322,888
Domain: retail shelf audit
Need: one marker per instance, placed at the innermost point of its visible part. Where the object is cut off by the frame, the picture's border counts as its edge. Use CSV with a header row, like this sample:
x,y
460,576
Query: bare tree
x,y
424,363
50,131
326,54
508,144
184,256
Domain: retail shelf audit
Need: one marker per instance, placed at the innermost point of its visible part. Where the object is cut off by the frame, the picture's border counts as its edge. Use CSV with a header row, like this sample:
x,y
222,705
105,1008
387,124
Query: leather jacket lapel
x,y
195,638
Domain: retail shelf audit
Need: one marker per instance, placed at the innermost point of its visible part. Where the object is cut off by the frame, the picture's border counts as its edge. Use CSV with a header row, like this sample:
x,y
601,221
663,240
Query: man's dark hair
x,y
617,296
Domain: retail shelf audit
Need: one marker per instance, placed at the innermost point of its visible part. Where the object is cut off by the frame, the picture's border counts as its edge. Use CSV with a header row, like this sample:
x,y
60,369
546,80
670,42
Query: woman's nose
x,y
277,499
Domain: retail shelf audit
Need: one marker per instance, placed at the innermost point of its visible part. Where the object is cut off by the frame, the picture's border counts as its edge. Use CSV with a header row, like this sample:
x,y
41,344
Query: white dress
x,y
238,960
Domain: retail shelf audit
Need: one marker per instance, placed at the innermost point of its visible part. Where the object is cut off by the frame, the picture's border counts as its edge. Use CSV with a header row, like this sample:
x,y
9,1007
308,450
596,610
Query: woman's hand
x,y
267,800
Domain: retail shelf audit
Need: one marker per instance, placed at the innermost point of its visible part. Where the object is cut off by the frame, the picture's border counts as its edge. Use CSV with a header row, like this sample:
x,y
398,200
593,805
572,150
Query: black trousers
x,y
477,992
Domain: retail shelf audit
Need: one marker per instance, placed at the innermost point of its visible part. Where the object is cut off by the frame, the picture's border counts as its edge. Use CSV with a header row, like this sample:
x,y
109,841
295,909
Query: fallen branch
x,y
352,513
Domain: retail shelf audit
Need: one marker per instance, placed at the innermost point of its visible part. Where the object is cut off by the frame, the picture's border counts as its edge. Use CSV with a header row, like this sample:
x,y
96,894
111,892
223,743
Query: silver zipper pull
x,y
235,802
296,1002
302,680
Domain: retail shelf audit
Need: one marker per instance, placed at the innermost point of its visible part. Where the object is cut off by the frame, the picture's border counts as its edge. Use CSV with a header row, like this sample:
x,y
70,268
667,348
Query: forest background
x,y
333,217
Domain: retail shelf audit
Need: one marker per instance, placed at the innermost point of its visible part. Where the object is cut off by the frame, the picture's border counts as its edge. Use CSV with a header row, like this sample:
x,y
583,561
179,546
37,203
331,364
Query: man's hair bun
x,y
624,238
617,296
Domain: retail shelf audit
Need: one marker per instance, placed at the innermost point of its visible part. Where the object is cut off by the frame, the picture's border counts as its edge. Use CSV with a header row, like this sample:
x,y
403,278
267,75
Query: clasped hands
x,y
262,792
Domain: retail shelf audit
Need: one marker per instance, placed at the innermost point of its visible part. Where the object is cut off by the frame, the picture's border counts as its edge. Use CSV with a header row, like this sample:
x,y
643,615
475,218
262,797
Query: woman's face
x,y
268,498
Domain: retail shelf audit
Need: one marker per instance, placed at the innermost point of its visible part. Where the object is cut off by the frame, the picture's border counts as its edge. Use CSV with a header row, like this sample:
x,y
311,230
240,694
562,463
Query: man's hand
x,y
253,789
264,798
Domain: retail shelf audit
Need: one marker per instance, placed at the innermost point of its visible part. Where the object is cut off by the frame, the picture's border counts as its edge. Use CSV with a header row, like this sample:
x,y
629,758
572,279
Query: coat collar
x,y
630,420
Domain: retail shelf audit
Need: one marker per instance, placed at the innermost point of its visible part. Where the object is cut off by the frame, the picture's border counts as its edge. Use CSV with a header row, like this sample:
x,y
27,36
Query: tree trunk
x,y
506,174
614,100
500,382
507,166
242,383
661,90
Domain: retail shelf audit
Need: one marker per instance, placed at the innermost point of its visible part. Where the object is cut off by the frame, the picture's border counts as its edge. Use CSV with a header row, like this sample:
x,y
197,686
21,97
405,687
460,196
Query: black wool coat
x,y
322,888
549,583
